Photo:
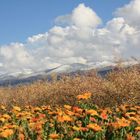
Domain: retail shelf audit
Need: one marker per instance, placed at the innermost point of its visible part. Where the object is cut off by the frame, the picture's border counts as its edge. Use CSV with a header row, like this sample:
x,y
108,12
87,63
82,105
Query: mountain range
x,y
28,75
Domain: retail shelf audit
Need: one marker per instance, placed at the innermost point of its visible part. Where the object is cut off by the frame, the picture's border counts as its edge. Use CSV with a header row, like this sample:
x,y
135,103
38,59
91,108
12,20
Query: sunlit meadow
x,y
74,108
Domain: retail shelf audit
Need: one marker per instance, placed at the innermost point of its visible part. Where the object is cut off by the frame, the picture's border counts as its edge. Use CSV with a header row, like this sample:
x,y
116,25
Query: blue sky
x,y
20,19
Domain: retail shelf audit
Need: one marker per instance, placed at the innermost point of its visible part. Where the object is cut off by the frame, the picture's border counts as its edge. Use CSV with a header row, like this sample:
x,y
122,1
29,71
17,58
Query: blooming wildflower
x,y
94,127
137,128
6,116
2,107
84,96
77,109
16,108
21,136
54,136
6,133
76,128
104,115
2,119
129,137
64,118
92,112
67,107
120,123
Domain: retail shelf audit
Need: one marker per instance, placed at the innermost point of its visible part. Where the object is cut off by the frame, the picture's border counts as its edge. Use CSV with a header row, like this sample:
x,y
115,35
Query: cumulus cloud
x,y
77,38
81,16
131,13
15,57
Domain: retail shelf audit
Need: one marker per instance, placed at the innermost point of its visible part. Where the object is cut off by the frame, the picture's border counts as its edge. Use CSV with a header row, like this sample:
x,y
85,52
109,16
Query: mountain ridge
x,y
29,76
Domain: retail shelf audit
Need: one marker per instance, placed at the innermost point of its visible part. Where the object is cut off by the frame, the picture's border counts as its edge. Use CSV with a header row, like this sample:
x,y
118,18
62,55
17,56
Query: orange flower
x,y
94,127
12,126
42,115
46,107
6,116
16,109
133,119
137,128
120,123
130,137
2,120
69,112
54,136
51,125
104,115
36,126
84,96
84,129
37,109
77,109
76,139
64,118
6,133
123,108
67,107
67,118
130,114
92,112
21,136
34,119
2,107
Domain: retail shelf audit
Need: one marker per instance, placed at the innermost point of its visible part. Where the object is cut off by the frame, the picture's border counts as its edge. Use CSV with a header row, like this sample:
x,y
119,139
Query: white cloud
x,y
37,38
79,41
85,17
131,13
81,17
15,57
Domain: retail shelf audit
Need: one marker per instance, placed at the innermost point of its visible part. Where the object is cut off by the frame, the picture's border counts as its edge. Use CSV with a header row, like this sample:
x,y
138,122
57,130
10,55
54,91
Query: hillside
x,y
119,86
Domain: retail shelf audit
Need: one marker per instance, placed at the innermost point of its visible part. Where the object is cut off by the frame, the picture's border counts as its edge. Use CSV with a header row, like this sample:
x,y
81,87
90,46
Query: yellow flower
x,y
69,112
67,107
76,139
6,133
36,126
54,136
75,128
16,108
133,119
36,109
137,128
6,116
64,118
2,119
84,96
2,107
130,114
94,127
51,125
92,112
120,123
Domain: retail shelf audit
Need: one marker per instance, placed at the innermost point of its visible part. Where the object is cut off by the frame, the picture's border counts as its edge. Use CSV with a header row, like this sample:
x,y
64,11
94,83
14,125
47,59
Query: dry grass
x,y
121,86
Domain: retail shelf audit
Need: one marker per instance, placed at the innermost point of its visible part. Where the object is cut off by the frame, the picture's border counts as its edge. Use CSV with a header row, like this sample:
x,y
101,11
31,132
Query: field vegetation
x,y
122,86
80,107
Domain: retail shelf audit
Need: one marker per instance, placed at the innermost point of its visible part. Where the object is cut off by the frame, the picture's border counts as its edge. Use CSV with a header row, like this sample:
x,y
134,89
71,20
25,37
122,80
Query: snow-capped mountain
x,y
29,75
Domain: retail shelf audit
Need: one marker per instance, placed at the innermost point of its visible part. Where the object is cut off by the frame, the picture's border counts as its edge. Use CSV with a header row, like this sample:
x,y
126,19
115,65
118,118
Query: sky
x,y
44,34
20,19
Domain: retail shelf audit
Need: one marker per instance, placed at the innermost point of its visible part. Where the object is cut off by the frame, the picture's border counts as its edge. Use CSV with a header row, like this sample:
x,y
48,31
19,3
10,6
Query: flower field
x,y
85,121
